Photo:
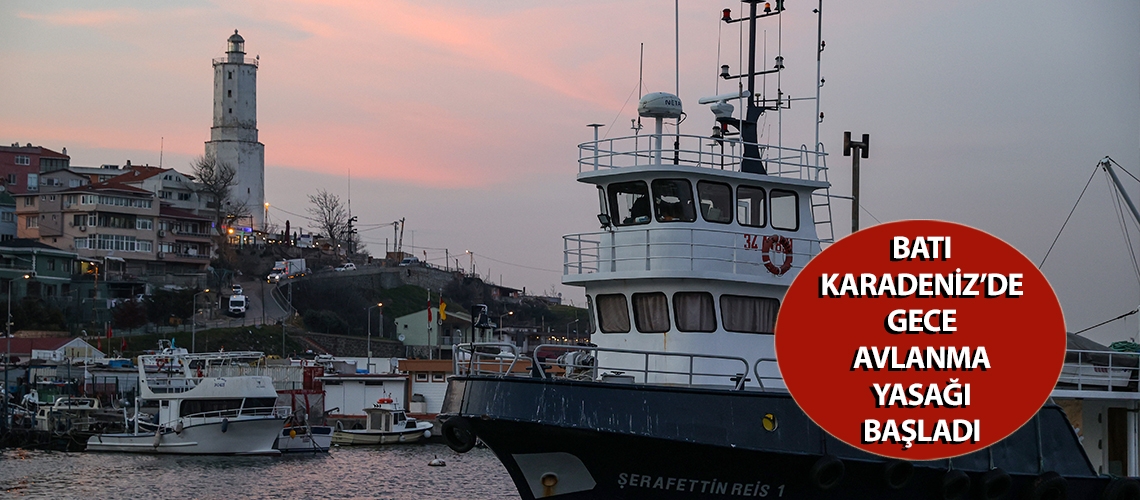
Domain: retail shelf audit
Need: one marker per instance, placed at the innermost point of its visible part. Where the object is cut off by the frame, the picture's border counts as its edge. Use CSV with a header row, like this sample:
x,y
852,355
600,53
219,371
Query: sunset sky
x,y
464,117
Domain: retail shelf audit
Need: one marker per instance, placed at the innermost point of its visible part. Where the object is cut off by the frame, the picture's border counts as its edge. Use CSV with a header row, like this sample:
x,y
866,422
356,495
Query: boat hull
x,y
252,436
318,441
623,441
364,437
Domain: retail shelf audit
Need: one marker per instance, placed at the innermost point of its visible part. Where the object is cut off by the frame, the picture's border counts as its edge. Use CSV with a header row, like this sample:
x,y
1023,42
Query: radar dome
x,y
659,105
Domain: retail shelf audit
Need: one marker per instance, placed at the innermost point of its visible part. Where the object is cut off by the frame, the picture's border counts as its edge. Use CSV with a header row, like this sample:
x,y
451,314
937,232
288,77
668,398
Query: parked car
x,y
409,261
347,266
236,289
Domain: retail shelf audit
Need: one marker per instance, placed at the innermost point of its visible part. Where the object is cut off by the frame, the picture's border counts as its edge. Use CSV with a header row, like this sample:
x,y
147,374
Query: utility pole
x,y
860,148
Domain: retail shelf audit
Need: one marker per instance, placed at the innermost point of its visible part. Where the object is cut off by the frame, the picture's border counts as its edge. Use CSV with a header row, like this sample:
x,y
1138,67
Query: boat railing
x,y
1099,371
235,413
674,248
696,151
486,358
587,362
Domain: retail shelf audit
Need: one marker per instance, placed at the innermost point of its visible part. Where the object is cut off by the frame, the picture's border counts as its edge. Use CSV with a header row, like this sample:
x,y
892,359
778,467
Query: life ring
x,y
826,472
161,362
339,426
897,473
1049,485
1121,488
458,435
775,243
384,401
955,485
995,484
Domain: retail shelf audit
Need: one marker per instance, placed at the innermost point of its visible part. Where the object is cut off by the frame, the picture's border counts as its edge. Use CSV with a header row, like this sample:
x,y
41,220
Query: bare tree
x,y
330,214
215,181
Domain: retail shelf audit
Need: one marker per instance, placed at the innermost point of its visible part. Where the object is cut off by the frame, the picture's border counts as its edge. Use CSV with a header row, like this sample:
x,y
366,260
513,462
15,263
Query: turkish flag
x,y
108,330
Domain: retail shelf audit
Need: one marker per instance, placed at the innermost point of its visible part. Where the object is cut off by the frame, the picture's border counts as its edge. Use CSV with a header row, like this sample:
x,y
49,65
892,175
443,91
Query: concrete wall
x,y
343,345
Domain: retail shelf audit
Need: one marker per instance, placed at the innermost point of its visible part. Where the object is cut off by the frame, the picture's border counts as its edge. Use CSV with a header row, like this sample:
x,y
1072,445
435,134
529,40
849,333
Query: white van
x,y
238,305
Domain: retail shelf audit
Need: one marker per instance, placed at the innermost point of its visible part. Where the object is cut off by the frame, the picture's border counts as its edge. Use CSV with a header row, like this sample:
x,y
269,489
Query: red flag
x,y
108,330
429,310
124,347
99,345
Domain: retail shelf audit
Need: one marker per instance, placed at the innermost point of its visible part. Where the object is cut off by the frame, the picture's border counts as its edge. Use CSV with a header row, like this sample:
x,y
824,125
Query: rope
x,y
1124,346
1122,316
1067,218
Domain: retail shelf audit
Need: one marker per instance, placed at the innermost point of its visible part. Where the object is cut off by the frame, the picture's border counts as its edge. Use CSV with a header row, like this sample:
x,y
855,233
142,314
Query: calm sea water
x,y
391,473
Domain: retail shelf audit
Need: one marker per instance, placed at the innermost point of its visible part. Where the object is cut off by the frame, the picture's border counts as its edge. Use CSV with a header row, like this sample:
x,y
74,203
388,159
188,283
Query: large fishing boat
x,y
679,394
209,403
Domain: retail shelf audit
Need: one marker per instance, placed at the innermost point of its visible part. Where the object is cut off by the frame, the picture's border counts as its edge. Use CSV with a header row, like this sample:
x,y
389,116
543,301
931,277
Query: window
x,y
183,196
716,201
144,246
33,182
73,183
7,217
421,377
590,322
651,312
673,201
229,93
23,160
143,223
749,314
438,377
785,212
51,264
694,311
31,222
12,179
629,203
79,220
231,111
750,206
613,314
164,195
230,75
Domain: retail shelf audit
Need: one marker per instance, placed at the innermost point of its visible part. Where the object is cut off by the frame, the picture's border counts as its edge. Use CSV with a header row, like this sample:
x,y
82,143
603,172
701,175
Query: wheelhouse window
x,y
613,313
673,200
750,206
785,213
749,314
716,201
591,327
651,312
694,311
629,203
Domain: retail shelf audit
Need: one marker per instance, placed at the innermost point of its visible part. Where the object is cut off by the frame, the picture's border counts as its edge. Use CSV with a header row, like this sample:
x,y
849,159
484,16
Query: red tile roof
x,y
177,213
26,346
138,173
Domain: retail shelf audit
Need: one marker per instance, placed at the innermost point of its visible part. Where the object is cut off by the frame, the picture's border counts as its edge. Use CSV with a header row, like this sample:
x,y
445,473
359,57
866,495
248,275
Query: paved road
x,y
262,308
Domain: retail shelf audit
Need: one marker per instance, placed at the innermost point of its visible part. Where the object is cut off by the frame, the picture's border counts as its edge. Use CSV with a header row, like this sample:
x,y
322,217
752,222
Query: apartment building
x,y
20,166
109,222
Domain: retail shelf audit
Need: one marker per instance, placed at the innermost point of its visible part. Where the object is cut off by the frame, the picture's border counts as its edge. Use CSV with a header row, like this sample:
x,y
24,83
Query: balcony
x,y
245,60
1099,375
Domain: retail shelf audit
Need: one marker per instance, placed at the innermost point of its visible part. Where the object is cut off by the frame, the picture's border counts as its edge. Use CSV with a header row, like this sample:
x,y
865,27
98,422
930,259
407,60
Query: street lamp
x,y
575,322
508,313
368,364
194,322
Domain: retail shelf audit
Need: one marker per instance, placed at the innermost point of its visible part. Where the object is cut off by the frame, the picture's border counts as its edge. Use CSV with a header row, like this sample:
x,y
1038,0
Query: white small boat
x,y
213,403
299,436
384,424
68,414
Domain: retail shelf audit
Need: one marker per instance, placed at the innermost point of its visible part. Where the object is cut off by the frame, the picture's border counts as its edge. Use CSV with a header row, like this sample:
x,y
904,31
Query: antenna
x,y
161,141
640,85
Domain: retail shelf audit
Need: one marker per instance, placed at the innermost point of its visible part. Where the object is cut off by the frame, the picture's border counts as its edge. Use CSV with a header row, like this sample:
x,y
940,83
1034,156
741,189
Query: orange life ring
x,y
778,244
161,362
382,401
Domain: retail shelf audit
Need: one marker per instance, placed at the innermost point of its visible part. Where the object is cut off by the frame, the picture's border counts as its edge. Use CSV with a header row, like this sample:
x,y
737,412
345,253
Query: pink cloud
x,y
76,17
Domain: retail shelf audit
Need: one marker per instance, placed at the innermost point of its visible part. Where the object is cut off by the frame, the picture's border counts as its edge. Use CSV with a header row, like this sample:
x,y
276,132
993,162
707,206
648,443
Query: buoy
x,y
292,433
826,472
427,434
178,428
437,462
225,424
157,437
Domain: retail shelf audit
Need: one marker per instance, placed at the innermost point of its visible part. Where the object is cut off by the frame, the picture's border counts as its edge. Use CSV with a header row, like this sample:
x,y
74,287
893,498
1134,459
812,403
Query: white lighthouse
x,y
233,137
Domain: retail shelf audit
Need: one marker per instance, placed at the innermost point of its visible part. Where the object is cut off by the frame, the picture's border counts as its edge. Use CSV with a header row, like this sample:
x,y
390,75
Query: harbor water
x,y
391,473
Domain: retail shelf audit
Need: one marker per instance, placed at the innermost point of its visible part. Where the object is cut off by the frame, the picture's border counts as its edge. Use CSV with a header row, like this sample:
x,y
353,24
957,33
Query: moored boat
x,y
384,424
200,409
679,394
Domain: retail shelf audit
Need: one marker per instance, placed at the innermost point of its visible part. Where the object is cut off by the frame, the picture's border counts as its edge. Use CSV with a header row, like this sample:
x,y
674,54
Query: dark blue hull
x,y
619,441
